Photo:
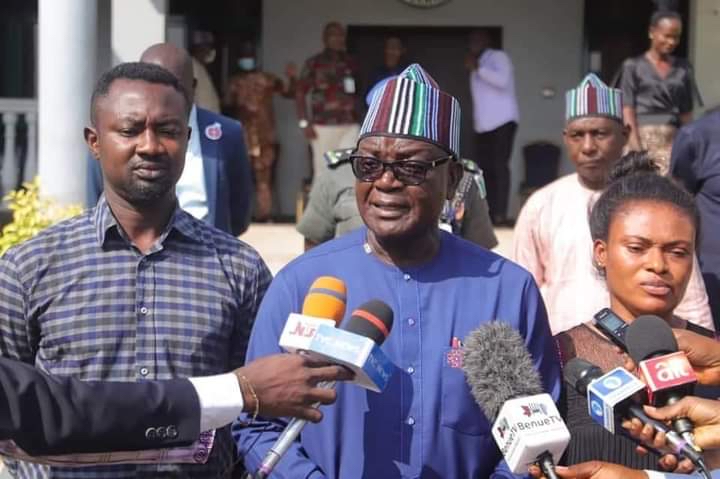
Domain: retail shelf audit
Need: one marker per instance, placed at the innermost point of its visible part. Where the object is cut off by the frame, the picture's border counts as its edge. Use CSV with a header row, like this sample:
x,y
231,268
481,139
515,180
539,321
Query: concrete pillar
x,y
66,74
704,47
136,24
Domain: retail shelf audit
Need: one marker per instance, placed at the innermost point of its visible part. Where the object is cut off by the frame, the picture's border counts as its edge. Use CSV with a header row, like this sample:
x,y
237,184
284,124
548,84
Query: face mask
x,y
210,57
247,63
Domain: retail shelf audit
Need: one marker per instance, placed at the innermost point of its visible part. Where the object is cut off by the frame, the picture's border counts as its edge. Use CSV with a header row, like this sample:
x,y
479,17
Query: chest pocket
x,y
459,409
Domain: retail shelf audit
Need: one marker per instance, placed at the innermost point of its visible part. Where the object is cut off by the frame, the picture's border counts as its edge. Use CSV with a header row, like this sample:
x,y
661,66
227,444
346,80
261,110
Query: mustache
x,y
149,162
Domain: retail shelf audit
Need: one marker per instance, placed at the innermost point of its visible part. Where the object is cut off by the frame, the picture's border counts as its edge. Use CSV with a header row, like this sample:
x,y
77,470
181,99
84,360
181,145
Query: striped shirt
x,y
80,300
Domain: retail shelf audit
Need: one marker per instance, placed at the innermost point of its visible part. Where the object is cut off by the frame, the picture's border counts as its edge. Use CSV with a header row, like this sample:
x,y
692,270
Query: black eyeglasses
x,y
408,172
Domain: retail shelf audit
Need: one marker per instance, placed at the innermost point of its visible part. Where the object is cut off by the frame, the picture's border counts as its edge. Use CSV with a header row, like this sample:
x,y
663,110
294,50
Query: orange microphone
x,y
326,299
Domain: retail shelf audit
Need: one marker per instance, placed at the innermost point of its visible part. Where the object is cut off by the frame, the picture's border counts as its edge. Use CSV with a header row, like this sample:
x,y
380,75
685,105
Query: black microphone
x,y
527,426
373,320
612,398
666,371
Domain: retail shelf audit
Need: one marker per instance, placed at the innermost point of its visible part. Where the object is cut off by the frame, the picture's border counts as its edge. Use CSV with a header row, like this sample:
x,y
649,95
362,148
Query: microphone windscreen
x,y
649,336
374,320
579,373
326,299
498,367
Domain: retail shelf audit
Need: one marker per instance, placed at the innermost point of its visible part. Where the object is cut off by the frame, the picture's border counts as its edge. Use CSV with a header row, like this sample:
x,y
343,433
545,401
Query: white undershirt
x,y
221,400
190,189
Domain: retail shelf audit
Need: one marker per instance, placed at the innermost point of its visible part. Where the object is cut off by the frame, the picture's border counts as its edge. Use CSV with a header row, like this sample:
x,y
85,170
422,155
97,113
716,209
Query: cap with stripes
x,y
593,98
411,105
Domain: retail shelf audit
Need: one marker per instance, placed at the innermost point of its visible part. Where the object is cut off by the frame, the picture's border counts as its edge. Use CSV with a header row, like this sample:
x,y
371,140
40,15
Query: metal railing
x,y
19,139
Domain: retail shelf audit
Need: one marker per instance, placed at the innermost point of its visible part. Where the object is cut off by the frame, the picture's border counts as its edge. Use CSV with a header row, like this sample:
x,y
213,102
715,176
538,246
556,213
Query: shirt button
x,y
144,371
406,277
410,370
411,321
144,310
410,421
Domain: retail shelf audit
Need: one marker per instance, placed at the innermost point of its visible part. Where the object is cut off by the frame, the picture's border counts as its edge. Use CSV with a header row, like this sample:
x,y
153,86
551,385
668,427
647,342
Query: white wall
x,y
136,24
543,37
704,47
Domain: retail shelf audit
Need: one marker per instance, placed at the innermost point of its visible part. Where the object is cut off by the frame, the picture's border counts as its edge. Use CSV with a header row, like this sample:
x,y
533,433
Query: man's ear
x,y
455,172
627,129
91,138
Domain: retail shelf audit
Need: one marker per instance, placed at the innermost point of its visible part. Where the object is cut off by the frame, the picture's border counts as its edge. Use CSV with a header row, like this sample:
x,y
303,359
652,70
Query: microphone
x,y
355,346
527,426
324,304
326,299
666,371
612,398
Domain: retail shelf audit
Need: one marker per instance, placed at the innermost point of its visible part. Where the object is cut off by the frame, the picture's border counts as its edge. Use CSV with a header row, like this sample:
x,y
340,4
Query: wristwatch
x,y
303,123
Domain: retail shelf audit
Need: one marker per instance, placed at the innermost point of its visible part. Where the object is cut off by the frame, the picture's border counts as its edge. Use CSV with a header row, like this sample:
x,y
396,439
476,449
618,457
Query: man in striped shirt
x,y
135,289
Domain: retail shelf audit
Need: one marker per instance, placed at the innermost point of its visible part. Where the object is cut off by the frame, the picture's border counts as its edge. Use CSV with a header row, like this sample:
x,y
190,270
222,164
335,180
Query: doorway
x,y
440,50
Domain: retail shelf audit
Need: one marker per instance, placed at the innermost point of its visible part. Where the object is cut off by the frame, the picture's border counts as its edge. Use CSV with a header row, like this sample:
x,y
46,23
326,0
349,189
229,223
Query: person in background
x,y
393,62
658,90
440,288
552,238
216,183
330,79
202,49
495,119
249,98
332,210
695,161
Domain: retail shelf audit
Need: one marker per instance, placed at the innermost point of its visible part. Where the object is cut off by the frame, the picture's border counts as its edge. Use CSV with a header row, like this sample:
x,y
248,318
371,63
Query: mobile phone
x,y
612,327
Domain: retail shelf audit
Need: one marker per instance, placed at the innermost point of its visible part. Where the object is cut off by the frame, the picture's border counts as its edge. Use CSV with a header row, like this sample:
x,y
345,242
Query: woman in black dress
x,y
658,90
644,228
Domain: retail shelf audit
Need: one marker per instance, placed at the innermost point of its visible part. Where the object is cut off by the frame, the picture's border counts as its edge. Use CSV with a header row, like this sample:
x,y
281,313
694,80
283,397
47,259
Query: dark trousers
x,y
493,150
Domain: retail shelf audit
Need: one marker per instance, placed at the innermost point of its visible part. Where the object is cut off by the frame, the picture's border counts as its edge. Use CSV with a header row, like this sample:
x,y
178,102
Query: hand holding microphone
x,y
592,470
702,352
704,413
665,370
312,334
293,387
616,397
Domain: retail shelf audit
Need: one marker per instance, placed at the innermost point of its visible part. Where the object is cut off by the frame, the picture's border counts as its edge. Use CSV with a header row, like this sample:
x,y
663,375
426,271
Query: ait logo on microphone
x,y
668,371
502,428
531,409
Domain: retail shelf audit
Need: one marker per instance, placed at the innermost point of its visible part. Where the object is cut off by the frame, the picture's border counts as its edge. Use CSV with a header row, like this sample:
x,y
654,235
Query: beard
x,y
143,192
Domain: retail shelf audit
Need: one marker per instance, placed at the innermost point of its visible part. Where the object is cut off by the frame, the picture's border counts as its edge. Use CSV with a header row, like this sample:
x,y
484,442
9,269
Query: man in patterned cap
x,y
552,236
440,288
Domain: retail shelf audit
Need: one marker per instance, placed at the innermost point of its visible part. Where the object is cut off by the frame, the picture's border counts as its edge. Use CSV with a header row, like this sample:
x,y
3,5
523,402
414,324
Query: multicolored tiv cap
x,y
411,105
593,98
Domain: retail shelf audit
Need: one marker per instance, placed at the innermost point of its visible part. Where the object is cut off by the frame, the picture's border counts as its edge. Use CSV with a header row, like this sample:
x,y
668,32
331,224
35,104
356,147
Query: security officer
x,y
332,210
